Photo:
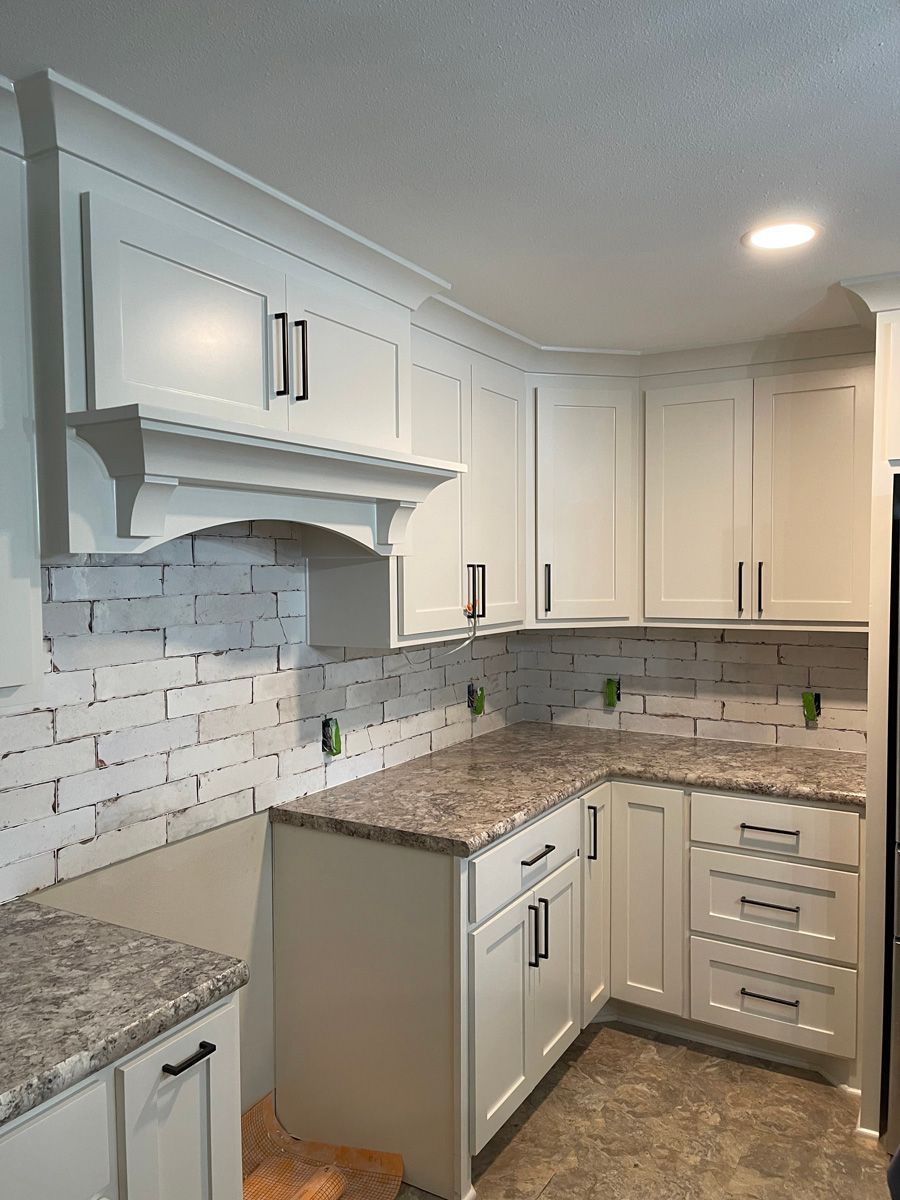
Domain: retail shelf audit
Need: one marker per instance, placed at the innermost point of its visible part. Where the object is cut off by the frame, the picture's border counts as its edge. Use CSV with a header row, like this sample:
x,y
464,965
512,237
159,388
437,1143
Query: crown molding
x,y
10,128
878,292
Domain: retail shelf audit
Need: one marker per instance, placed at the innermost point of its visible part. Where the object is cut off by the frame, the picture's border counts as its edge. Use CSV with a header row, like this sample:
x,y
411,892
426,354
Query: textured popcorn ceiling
x,y
580,172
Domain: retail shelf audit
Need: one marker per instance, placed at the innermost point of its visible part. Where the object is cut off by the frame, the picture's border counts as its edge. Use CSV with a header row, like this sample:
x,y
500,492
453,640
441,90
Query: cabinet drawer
x,y
64,1153
501,873
772,996
785,905
774,827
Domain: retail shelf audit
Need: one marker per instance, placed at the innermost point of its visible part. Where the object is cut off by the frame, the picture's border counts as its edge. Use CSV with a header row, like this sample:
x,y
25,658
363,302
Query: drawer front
x,y
63,1154
784,905
773,996
501,873
772,827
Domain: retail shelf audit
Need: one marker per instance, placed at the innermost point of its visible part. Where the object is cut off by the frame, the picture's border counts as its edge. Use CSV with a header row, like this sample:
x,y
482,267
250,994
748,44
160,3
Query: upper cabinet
x,y
698,501
496,492
586,499
177,319
812,473
757,498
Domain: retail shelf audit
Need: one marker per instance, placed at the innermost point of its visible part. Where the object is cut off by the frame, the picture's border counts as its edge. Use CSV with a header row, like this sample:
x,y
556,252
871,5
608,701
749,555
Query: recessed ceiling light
x,y
780,237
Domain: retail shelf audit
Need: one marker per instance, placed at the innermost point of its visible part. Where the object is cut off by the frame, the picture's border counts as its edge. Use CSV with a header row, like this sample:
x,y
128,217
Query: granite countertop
x,y
461,799
78,994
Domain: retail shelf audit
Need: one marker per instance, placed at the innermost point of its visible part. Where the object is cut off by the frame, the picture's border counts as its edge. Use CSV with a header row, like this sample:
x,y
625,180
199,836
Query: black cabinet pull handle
x,y
771,999
482,592
547,593
741,588
285,356
770,829
530,862
545,905
471,571
792,908
594,851
535,929
759,600
206,1049
304,367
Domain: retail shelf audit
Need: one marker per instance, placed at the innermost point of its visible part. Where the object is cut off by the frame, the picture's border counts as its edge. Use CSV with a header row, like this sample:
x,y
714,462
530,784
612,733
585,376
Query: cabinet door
x,y
595,860
648,927
433,579
698,481
495,501
502,964
20,573
176,319
586,499
180,1134
556,1016
351,363
812,473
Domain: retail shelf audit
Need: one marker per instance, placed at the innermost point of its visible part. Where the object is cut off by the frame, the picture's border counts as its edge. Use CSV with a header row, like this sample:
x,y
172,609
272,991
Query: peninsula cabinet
x,y
757,499
586,496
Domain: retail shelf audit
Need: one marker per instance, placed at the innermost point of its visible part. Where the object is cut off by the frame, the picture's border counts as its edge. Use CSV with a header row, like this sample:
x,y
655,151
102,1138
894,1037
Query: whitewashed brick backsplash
x,y
180,695
742,684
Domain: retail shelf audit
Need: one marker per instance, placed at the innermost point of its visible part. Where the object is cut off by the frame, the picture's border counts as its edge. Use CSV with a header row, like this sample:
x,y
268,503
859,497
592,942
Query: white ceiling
x,y
581,172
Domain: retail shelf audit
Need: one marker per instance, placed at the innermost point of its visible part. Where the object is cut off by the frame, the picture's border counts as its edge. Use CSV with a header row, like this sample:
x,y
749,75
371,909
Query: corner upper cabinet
x,y
177,319
812,474
433,579
350,354
496,492
587,489
698,501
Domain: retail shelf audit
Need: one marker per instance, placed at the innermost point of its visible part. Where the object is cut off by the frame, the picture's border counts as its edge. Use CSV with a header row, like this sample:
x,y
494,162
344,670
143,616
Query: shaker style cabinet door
x,y
179,1115
502,963
698,496
556,1020
811,495
176,320
433,577
586,498
496,492
596,808
351,363
648,932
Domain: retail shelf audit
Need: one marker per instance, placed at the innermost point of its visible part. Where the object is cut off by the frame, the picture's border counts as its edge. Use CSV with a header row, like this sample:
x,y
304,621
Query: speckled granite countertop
x,y
78,994
459,800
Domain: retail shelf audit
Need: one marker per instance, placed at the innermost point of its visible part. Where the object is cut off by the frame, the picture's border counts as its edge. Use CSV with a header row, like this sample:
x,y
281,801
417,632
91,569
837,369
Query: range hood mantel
x,y
149,454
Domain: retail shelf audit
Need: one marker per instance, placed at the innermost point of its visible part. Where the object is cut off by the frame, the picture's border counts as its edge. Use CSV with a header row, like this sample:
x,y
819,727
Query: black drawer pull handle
x,y
595,847
545,905
770,829
771,999
535,929
794,908
206,1049
285,356
530,862
304,362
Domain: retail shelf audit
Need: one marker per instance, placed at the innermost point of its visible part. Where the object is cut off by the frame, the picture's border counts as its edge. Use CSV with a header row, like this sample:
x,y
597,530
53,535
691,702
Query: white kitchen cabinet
x,y
648,926
698,501
350,353
433,580
134,1131
20,581
525,1005
596,811
177,319
812,473
179,1115
586,498
495,509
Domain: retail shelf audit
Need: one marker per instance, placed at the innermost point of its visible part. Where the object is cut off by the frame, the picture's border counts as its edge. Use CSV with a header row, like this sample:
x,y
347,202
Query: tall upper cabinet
x,y
20,589
757,498
587,474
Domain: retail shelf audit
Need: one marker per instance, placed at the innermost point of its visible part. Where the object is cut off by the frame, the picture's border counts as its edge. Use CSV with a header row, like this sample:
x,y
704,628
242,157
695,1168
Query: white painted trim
x,y
10,129
880,292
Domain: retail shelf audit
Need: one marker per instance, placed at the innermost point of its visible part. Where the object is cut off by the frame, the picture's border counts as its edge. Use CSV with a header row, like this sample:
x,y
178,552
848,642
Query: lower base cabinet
x,y
596,814
525,983
136,1131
